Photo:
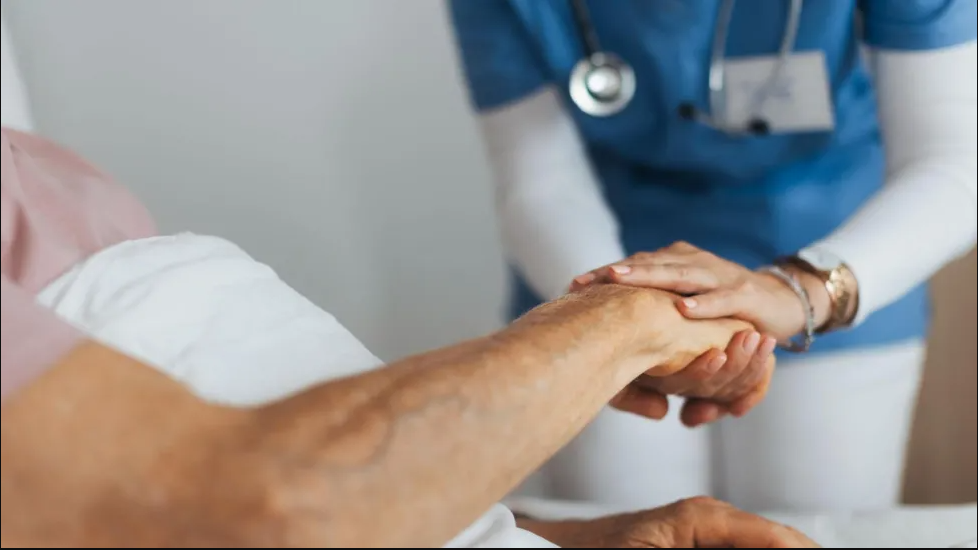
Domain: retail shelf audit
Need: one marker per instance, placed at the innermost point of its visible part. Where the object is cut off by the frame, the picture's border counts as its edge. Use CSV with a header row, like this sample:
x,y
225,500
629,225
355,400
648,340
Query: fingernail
x,y
768,345
690,303
621,269
754,340
717,363
587,278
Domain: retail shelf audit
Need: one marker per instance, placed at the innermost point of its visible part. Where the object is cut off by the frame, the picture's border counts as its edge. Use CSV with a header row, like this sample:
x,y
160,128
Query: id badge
x,y
799,101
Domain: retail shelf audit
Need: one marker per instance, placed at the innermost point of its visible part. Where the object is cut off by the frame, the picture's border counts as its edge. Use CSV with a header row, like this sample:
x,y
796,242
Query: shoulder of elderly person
x,y
54,208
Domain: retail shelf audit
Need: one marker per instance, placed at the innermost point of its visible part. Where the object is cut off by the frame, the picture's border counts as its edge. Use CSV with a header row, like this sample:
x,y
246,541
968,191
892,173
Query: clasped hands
x,y
719,383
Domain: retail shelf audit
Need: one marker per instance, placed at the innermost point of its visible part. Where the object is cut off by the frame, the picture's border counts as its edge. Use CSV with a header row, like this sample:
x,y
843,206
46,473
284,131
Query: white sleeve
x,y
553,218
925,217
240,336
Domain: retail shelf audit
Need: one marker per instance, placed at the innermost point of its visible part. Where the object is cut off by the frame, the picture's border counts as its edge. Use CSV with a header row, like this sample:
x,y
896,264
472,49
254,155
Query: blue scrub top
x,y
748,199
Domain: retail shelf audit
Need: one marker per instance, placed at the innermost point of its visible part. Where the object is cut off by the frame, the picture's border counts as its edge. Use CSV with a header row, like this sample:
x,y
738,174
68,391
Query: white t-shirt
x,y
206,313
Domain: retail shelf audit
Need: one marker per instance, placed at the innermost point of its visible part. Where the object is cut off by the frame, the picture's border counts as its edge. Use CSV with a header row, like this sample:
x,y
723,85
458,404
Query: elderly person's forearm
x,y
421,448
458,429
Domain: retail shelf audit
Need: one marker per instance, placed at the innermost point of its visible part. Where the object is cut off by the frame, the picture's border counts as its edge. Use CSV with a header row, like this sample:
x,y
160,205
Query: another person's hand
x,y
717,381
716,385
696,523
715,288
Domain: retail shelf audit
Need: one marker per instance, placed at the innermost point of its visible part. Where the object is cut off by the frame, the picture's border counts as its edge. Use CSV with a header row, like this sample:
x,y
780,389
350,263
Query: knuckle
x,y
703,256
685,509
710,280
744,286
697,504
702,375
684,273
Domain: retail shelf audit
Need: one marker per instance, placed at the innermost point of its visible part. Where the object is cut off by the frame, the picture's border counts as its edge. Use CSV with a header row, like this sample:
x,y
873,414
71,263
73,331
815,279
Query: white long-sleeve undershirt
x,y
555,223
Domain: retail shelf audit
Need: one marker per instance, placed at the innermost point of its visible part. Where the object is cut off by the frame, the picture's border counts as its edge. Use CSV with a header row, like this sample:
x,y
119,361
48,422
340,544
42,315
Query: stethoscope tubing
x,y
595,58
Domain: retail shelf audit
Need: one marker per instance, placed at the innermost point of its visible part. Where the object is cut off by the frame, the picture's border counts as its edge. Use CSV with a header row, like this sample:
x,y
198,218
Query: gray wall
x,y
330,138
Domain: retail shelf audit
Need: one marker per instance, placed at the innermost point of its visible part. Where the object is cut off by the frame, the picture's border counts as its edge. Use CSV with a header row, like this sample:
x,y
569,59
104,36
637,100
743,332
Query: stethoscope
x,y
602,84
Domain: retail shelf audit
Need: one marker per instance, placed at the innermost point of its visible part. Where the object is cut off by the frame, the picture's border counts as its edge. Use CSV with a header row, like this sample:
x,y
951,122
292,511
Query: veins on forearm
x,y
378,436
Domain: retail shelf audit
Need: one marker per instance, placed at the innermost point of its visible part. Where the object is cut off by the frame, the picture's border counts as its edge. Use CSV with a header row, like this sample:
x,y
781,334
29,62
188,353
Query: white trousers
x,y
831,437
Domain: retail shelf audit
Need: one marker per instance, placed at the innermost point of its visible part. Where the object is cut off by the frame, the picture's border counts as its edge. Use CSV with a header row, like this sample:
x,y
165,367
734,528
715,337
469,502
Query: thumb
x,y
642,402
699,412
712,305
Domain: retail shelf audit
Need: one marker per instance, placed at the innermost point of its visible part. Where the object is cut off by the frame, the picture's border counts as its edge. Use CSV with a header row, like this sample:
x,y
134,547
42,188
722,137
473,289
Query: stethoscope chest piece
x,y
602,85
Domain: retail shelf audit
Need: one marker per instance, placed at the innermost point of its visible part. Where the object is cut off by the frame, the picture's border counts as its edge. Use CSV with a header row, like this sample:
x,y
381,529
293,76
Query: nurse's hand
x,y
717,384
721,382
716,288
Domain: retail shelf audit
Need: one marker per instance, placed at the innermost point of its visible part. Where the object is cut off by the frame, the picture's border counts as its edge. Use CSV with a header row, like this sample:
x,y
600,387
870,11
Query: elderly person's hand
x,y
715,288
696,523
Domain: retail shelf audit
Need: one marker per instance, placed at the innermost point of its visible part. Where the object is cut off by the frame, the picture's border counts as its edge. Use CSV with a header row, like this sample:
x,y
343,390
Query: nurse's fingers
x,y
700,412
694,378
724,385
753,386
679,278
592,277
715,305
707,402
642,402
751,360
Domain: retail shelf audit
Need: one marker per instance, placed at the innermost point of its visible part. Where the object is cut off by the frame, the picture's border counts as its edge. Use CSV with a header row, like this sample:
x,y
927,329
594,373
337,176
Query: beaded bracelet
x,y
807,337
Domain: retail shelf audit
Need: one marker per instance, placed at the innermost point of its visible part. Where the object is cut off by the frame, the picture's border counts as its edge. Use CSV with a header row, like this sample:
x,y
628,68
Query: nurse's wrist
x,y
818,295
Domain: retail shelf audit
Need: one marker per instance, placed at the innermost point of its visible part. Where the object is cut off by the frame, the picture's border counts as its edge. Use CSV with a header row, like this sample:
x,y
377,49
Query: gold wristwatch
x,y
839,281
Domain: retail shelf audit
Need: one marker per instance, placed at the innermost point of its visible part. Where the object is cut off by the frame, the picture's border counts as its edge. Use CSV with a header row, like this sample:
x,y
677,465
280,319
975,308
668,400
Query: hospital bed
x,y
935,527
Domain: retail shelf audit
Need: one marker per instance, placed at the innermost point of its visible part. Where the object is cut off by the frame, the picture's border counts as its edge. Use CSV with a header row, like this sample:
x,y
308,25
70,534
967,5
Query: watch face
x,y
820,259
